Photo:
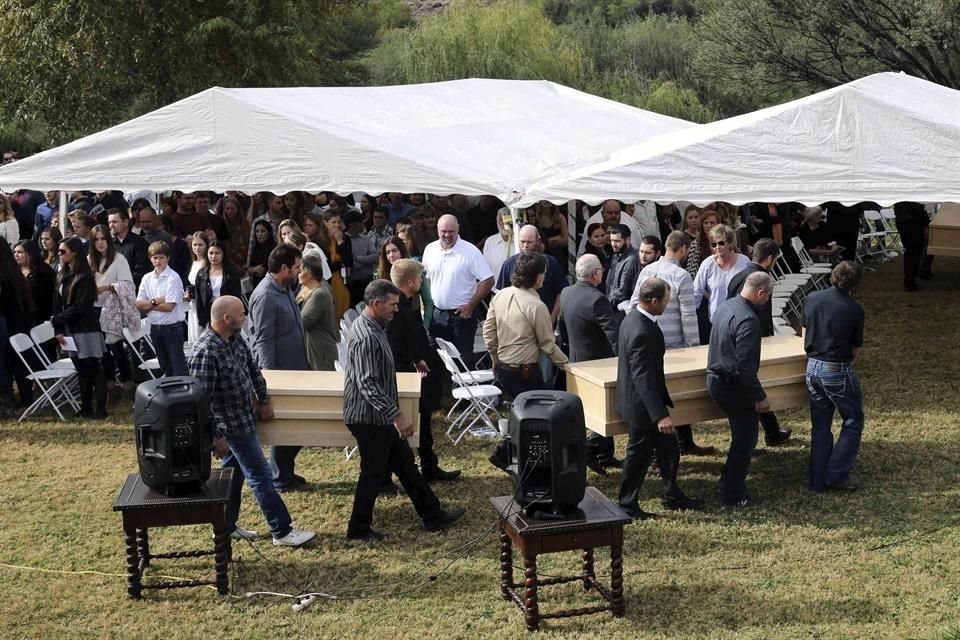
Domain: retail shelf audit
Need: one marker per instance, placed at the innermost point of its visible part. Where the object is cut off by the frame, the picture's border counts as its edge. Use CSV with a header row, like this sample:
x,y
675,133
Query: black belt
x,y
517,367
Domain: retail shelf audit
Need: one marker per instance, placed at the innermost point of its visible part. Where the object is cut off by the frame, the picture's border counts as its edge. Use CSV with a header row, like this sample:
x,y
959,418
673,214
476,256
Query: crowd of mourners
x,y
458,271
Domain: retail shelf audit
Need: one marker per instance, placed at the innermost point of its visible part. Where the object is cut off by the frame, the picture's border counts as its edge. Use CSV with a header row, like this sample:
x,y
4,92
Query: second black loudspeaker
x,y
548,438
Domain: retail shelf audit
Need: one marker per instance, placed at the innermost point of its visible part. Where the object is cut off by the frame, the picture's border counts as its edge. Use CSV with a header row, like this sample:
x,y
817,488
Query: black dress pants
x,y
382,450
643,440
744,427
911,235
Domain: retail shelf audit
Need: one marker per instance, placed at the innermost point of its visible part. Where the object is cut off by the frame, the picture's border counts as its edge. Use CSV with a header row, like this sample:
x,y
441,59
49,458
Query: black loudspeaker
x,y
173,434
548,442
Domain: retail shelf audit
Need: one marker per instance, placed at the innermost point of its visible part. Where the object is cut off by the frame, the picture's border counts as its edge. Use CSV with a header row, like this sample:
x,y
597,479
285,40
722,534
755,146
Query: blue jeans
x,y
460,331
168,342
548,370
744,422
247,461
833,386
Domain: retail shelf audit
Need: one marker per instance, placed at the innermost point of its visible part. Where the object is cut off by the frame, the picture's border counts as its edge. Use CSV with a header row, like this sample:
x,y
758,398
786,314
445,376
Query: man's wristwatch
x,y
153,302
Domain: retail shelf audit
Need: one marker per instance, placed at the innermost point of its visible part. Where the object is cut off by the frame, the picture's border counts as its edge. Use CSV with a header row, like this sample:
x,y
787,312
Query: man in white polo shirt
x,y
459,279
161,298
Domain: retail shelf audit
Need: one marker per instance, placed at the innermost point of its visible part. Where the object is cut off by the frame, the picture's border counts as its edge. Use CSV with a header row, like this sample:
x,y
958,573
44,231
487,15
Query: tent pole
x,y
572,239
63,213
515,214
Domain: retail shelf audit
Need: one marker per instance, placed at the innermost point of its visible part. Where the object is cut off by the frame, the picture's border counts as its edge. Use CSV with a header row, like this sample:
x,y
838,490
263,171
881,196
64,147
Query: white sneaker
x,y
295,538
244,534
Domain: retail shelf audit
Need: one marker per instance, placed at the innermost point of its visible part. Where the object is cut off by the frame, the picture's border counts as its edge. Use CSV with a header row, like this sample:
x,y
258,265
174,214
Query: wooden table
x,y
309,408
945,231
143,508
599,523
782,372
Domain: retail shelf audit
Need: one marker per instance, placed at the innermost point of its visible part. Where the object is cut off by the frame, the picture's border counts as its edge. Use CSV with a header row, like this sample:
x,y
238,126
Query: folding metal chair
x,y
41,335
480,400
818,271
54,384
463,375
890,224
151,365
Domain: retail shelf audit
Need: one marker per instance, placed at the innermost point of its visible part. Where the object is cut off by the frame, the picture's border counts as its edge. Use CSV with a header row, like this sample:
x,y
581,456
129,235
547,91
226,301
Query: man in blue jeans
x,y
224,367
833,333
161,297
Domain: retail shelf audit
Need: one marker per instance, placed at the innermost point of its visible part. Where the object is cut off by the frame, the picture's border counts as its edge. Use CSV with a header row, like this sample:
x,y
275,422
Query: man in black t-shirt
x,y
833,334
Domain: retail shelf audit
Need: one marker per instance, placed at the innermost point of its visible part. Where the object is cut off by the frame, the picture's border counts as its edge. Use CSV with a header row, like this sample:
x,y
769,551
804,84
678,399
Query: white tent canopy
x,y
886,138
471,137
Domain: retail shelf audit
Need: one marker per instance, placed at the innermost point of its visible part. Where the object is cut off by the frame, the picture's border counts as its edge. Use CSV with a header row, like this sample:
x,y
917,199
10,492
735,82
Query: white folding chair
x,y
783,330
480,400
350,315
150,366
818,271
890,224
42,334
465,375
54,384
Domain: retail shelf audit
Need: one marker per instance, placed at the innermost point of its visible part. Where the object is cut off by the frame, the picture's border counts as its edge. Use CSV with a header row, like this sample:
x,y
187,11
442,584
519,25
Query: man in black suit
x,y
642,400
589,329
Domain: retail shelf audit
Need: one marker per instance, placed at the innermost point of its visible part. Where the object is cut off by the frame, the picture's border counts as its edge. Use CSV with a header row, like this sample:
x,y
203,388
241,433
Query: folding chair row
x,y
54,383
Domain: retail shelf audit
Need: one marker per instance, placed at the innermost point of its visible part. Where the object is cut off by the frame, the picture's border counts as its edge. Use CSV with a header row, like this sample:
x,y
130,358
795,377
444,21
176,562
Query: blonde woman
x,y
198,246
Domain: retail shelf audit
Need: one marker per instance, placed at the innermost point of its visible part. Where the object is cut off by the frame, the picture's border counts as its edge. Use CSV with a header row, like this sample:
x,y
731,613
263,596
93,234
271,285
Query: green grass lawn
x,y
880,563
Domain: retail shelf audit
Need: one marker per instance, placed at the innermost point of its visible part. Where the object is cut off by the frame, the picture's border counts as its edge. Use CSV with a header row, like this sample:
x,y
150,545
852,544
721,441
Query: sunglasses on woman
x,y
720,243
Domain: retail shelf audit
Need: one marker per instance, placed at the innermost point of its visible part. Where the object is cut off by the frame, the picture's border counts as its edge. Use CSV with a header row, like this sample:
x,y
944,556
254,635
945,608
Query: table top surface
x,y
595,511
136,495
327,383
947,216
689,361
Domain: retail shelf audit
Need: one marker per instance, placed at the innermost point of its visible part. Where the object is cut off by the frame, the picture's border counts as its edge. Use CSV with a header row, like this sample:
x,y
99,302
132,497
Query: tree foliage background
x,y
72,67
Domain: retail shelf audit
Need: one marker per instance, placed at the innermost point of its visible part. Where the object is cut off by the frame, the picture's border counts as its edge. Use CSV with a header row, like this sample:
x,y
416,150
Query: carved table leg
x,y
588,572
616,581
133,563
221,546
143,547
506,565
531,610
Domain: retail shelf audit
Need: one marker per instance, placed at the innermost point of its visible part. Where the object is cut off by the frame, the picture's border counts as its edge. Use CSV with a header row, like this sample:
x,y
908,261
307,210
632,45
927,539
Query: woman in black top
x,y
40,277
264,243
16,316
597,238
77,316
218,278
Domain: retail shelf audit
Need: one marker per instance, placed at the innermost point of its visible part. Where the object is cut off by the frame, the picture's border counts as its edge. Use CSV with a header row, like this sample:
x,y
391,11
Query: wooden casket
x,y
309,408
783,365
945,231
